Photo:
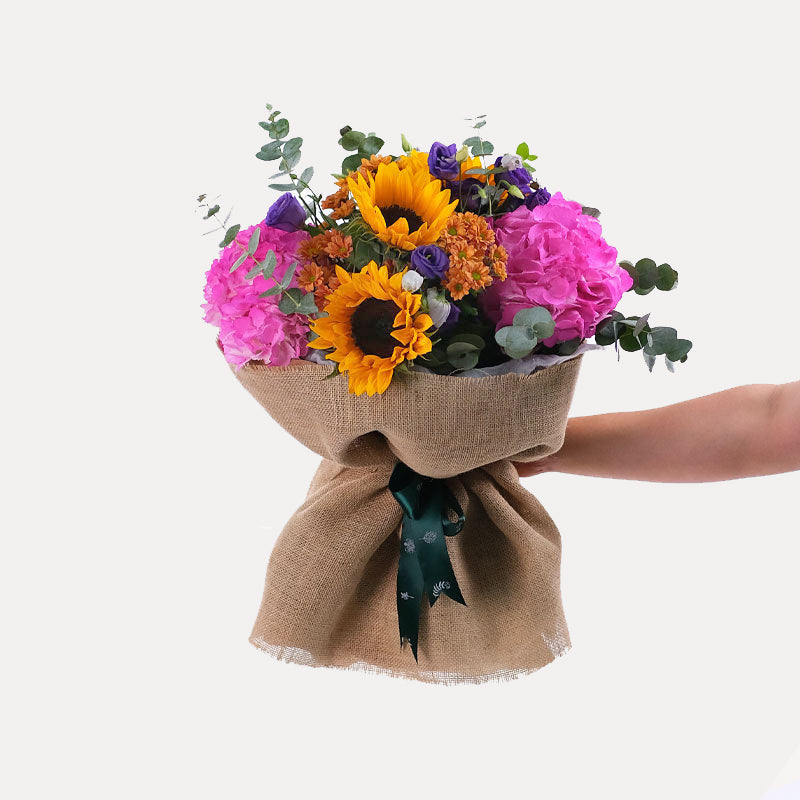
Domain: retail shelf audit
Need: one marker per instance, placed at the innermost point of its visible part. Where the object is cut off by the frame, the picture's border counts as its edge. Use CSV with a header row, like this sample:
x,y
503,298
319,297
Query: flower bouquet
x,y
419,328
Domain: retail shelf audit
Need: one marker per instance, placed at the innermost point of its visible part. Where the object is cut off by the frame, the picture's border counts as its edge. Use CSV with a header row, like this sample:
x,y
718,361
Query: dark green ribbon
x,y
424,565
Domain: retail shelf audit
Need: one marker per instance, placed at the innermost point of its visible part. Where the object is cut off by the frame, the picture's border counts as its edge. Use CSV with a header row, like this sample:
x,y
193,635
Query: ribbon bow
x,y
424,562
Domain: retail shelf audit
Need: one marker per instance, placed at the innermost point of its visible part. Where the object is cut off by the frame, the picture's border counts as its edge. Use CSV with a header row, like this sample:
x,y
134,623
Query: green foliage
x,y
524,152
361,145
230,235
635,333
647,276
529,327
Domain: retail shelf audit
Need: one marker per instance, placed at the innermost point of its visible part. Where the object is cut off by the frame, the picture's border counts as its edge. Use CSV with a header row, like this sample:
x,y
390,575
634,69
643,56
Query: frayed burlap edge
x,y
559,645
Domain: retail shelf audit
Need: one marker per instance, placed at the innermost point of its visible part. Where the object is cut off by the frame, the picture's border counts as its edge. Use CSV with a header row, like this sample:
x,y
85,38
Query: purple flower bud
x,y
286,214
442,162
430,261
518,176
541,197
452,317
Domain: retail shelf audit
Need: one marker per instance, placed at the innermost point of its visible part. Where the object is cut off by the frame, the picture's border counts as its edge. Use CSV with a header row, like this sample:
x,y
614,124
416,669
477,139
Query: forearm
x,y
737,433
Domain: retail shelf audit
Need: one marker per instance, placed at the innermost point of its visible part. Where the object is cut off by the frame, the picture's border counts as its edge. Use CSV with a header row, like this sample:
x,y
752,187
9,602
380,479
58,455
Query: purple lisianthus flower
x,y
515,175
541,197
430,261
286,214
452,317
442,162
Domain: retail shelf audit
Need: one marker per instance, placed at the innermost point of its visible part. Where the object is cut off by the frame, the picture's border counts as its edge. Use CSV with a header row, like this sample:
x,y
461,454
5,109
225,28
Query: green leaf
x,y
667,278
640,323
252,244
661,340
283,187
679,351
211,211
630,343
569,347
307,175
473,141
523,150
648,274
528,317
276,289
269,263
371,145
352,140
590,211
469,338
290,301
462,355
230,235
483,149
308,304
239,261
271,151
293,145
291,160
649,359
280,128
670,364
351,163
479,124
289,274
519,342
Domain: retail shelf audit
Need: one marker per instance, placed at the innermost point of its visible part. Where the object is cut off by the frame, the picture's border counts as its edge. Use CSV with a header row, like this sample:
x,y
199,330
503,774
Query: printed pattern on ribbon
x,y
424,566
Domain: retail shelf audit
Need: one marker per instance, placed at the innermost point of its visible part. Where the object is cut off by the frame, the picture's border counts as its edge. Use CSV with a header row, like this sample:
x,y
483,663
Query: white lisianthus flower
x,y
412,280
438,308
510,161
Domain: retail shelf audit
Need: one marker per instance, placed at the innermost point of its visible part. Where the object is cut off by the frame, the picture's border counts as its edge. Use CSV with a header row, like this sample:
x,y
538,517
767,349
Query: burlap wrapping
x,y
330,593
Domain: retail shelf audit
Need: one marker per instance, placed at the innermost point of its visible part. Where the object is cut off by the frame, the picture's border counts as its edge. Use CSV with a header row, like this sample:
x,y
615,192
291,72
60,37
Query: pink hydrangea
x,y
253,327
557,258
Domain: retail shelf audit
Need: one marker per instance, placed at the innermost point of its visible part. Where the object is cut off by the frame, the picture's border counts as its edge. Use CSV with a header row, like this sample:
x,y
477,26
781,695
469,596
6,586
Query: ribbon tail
x,y
410,586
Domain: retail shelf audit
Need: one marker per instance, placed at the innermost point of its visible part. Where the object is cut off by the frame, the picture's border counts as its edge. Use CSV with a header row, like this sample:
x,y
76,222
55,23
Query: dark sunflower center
x,y
371,324
393,213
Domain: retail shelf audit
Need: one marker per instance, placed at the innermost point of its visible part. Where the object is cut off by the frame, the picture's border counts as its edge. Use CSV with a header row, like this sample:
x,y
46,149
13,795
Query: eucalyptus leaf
x,y
252,244
211,211
471,339
371,145
650,360
307,175
288,275
293,145
648,273
670,364
351,163
276,289
352,140
531,316
280,129
283,187
679,351
239,261
230,235
639,326
662,340
667,278
308,304
462,355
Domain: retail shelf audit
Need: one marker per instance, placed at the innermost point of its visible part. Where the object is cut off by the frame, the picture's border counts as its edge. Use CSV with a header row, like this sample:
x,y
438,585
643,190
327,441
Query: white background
x,y
144,487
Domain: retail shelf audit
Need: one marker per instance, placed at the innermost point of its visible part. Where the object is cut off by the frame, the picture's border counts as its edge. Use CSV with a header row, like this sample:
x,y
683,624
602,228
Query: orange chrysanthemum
x,y
475,258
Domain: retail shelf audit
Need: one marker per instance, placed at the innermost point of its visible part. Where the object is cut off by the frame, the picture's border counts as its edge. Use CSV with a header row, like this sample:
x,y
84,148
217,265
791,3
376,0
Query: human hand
x,y
526,469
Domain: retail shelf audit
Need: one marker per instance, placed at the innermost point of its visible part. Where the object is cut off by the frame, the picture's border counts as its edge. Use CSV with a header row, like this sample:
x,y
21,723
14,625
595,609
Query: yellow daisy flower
x,y
373,325
406,208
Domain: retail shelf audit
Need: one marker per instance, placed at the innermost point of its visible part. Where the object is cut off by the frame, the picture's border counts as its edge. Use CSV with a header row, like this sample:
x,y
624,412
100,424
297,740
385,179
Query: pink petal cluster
x,y
557,258
253,327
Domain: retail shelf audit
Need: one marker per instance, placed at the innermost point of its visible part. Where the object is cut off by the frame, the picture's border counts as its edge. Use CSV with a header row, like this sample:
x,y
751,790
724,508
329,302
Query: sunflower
x,y
373,325
406,208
